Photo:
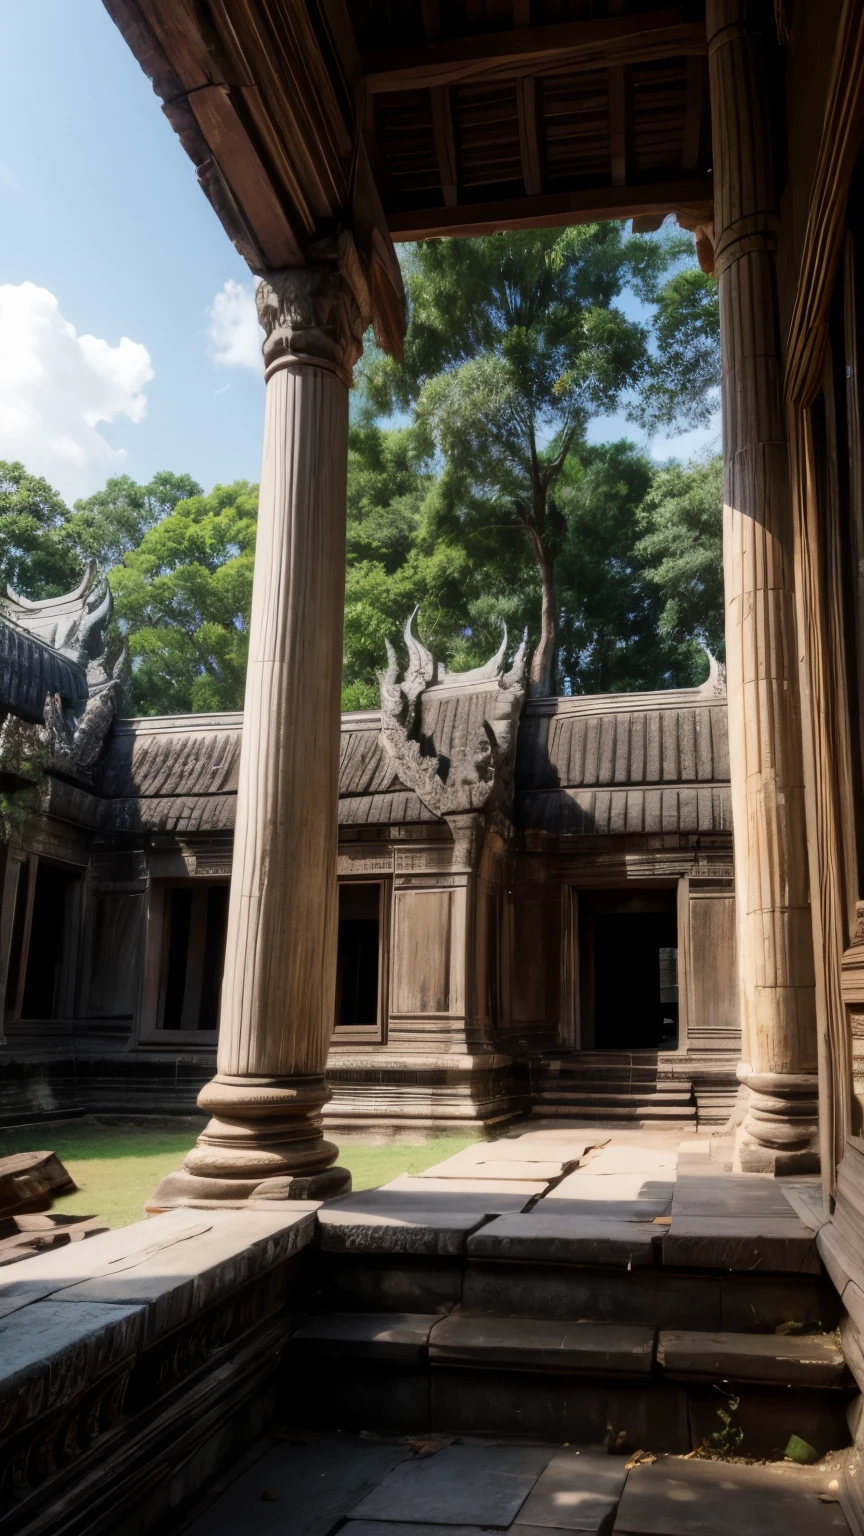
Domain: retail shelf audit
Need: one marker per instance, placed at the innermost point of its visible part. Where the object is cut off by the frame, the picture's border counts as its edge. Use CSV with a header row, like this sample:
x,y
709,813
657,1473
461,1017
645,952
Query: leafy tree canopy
x,y
106,526
182,598
35,559
515,343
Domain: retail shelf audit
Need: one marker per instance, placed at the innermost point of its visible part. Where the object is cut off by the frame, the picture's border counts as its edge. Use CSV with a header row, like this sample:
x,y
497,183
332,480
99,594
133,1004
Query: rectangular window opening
x,y
193,956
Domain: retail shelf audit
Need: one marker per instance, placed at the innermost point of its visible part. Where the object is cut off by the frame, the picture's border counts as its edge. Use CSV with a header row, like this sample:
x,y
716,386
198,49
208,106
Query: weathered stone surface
x,y
380,1284
657,1298
709,1498
532,1344
359,1335
618,1196
397,1221
748,1196
811,1361
492,1196
565,1239
761,1305
315,1482
536,1173
30,1180
173,1265
50,1353
577,1492
644,1162
775,1244
399,1528
560,1409
462,1485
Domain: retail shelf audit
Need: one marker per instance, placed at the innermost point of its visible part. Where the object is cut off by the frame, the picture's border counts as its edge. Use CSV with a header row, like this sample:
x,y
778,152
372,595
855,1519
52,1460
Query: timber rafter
x,y
409,119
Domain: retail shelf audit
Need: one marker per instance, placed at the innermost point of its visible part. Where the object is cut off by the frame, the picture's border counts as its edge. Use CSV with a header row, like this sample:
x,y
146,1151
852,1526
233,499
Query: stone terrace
x,y
556,1290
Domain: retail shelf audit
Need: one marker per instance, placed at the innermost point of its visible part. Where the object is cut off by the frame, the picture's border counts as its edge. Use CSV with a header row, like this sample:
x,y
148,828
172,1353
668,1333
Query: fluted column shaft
x,y
265,1138
775,942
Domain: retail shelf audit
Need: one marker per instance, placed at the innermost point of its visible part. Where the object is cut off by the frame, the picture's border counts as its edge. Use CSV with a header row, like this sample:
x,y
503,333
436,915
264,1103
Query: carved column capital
x,y
316,316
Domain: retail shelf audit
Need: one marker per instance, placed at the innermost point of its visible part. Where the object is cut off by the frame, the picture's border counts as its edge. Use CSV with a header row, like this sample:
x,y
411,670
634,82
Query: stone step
x,y
814,1360
605,1095
573,1381
582,1346
587,1113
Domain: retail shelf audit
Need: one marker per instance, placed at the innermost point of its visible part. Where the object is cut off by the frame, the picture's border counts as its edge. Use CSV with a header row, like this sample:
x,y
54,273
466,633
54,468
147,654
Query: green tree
x,y
35,559
514,344
106,526
681,546
182,599
681,387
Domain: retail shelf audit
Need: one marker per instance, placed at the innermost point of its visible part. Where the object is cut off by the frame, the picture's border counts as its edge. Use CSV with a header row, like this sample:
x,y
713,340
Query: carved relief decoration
x,y
477,768
75,625
316,314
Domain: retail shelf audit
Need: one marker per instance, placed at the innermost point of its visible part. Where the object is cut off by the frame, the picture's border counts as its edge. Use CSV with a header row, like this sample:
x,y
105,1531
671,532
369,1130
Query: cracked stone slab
x,y
770,1244
398,1221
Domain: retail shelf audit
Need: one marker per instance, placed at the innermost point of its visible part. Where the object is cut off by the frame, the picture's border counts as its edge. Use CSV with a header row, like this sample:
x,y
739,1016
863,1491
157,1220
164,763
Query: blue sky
x,y
103,218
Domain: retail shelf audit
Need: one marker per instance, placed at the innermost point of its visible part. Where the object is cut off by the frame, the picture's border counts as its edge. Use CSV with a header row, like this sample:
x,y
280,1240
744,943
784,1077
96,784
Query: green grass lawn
x,y
117,1166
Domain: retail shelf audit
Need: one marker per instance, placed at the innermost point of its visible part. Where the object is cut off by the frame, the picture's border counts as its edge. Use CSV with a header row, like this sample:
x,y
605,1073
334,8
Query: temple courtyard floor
x,y
570,1329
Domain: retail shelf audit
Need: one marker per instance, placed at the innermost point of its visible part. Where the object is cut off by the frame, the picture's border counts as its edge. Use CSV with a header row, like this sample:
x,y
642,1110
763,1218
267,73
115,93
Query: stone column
x,y
265,1138
775,954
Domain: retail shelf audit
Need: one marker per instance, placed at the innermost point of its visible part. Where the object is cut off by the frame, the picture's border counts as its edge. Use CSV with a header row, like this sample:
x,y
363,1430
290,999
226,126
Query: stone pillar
x,y
775,954
265,1138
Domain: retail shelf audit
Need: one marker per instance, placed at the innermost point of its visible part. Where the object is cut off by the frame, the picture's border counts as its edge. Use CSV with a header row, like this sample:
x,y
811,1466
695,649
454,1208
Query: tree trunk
x,y
541,678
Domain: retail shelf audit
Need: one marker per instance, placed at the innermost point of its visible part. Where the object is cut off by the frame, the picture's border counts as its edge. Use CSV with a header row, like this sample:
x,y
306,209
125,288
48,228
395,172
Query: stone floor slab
x,y
577,1492
630,1158
562,1239
364,1335
398,1221
729,1194
313,1484
616,1193
399,1528
535,1344
540,1171
709,1498
492,1196
770,1244
476,1484
810,1361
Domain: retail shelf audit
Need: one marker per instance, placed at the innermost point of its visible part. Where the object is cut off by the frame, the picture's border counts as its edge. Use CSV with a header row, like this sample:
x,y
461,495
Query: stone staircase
x,y
645,1357
576,1288
609,1087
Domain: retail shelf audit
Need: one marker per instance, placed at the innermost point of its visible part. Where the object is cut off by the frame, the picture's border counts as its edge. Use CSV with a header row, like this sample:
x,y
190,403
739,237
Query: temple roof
x,y
599,764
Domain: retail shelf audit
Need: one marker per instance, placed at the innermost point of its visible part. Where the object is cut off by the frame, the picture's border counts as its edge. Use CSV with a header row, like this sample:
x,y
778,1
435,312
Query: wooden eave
x,y
411,119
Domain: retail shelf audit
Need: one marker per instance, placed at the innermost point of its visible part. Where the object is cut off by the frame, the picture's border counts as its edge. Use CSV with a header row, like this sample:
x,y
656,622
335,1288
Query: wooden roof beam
x,y
536,50
692,198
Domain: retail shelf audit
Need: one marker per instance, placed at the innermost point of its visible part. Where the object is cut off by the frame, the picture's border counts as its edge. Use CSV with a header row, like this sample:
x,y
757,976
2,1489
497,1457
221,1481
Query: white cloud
x,y
56,387
233,332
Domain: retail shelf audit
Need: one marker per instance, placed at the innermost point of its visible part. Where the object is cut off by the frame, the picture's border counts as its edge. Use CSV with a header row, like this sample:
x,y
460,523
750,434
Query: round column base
x,y
186,1189
264,1142
780,1133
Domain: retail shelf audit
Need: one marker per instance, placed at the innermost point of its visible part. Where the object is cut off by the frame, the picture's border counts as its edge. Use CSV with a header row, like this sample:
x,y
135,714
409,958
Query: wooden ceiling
x,y
405,119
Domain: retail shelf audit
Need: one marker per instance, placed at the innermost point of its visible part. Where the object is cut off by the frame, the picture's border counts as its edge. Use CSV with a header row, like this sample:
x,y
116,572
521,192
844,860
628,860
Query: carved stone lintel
x,y
316,315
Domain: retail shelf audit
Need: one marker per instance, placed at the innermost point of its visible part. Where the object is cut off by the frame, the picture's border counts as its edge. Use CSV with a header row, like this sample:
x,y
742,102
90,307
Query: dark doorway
x,y
629,955
357,973
193,955
42,952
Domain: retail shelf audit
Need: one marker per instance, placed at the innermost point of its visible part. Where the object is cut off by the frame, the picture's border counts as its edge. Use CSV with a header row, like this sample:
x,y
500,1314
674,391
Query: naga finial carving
x,y
75,625
477,765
